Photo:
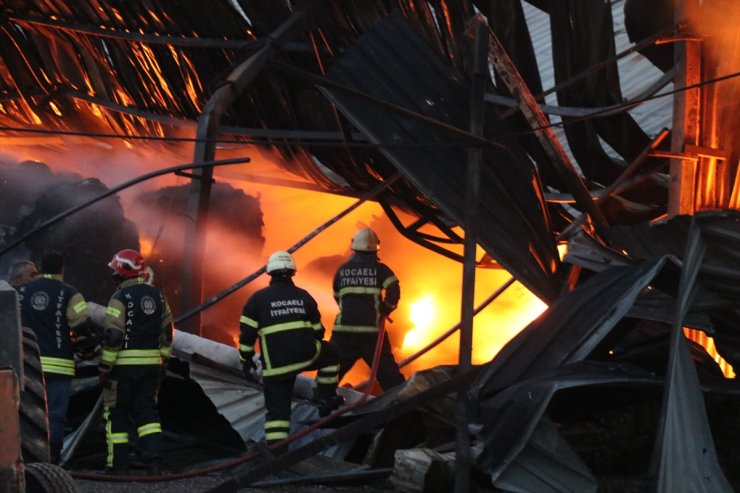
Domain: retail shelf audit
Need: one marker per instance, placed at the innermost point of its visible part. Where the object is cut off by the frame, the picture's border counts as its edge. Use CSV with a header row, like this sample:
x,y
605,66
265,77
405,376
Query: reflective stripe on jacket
x,y
138,326
52,308
287,321
365,290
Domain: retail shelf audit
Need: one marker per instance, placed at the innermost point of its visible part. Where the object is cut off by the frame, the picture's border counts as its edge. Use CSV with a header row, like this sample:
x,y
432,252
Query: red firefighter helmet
x,y
128,263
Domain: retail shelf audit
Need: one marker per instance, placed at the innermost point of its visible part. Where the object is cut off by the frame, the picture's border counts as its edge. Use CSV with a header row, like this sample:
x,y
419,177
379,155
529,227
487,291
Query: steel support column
x,y
475,157
686,117
208,128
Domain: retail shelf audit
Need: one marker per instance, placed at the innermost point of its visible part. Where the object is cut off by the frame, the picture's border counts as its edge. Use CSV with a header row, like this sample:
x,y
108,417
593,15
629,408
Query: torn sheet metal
x,y
566,333
241,404
570,329
687,457
512,416
547,464
514,222
720,269
718,277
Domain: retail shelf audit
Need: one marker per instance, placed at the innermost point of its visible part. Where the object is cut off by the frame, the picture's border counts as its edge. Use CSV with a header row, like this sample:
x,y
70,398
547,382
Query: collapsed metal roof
x,y
367,88
150,68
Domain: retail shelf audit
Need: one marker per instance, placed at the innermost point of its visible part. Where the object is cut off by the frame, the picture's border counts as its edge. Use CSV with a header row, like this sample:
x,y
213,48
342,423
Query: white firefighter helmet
x,y
281,261
365,240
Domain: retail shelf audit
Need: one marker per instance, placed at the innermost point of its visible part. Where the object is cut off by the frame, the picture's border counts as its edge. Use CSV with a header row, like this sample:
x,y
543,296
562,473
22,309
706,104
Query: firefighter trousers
x,y
57,398
278,392
355,346
130,398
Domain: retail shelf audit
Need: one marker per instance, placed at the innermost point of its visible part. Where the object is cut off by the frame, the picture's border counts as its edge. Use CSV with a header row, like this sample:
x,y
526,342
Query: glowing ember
x,y
701,337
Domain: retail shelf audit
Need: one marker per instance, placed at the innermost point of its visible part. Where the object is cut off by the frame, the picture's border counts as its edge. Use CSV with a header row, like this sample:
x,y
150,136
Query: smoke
x,y
33,194
234,244
248,222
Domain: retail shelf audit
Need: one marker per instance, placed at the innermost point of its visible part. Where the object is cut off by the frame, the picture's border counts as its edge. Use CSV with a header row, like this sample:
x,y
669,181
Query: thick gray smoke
x,y
32,193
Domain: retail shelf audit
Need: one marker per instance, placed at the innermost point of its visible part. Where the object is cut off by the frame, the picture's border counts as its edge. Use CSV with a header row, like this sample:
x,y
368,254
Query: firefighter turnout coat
x,y
366,290
287,321
138,326
137,341
52,308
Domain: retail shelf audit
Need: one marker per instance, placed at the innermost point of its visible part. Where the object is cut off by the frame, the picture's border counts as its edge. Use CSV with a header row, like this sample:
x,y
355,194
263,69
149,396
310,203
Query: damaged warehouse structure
x,y
437,110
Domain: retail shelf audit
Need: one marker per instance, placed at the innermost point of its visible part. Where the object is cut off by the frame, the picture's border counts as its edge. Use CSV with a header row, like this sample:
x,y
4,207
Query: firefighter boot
x,y
328,405
154,467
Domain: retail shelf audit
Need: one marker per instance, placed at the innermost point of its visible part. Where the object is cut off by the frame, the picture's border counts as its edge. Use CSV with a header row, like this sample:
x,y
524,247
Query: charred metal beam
x,y
205,149
150,38
242,477
628,173
543,131
411,234
687,117
463,458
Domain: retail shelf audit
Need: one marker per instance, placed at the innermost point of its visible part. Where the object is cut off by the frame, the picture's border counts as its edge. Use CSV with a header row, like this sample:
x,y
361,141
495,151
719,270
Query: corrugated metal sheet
x,y
567,333
242,404
719,275
520,420
636,73
513,225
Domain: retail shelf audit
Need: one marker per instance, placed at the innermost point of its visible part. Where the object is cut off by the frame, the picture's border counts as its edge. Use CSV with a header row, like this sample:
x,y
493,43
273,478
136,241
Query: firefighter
x,y
137,342
367,291
52,309
287,321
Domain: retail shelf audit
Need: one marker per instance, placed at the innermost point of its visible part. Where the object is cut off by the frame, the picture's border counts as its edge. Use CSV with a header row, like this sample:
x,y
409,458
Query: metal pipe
x,y
351,475
76,438
475,157
602,64
205,149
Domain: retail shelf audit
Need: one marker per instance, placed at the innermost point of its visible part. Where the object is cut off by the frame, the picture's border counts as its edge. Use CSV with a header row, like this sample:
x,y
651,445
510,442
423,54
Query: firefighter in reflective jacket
x,y
287,321
367,291
137,344
50,308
